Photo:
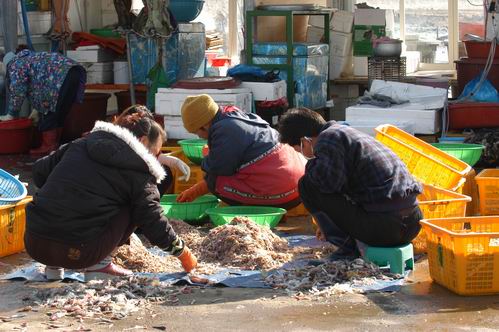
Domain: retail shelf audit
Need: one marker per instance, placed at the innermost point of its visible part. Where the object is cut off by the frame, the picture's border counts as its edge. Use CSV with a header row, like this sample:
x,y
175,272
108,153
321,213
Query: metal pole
x,y
130,72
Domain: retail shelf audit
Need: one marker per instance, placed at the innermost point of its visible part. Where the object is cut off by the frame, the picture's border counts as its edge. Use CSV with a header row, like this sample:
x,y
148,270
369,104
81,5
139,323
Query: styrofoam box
x,y
340,43
98,66
174,128
263,91
169,101
90,55
339,66
370,17
360,66
100,77
342,21
367,126
318,20
39,23
424,121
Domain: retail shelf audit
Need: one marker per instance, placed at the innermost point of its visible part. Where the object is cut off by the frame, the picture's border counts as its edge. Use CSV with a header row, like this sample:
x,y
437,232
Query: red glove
x,y
199,189
188,260
206,150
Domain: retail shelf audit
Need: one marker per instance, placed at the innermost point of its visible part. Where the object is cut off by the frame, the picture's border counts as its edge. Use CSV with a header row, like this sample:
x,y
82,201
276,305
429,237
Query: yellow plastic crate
x,y
196,175
176,151
438,203
298,211
427,163
12,227
488,191
463,253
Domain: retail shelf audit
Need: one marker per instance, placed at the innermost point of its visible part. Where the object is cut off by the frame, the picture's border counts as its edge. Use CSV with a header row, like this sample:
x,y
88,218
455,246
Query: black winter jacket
x,y
85,183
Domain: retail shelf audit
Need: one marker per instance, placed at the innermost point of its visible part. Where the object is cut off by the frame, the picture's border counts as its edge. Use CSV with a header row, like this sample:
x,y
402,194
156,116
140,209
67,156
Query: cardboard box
x,y
370,17
342,21
360,66
318,20
99,55
266,91
315,34
345,91
340,66
340,44
363,36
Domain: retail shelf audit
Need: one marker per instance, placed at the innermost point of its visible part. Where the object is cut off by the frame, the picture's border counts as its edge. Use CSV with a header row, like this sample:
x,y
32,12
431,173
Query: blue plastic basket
x,y
11,189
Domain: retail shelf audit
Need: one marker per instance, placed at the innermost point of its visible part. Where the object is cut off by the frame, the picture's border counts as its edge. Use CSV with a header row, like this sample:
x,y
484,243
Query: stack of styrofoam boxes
x,y
340,43
97,61
368,25
267,91
169,103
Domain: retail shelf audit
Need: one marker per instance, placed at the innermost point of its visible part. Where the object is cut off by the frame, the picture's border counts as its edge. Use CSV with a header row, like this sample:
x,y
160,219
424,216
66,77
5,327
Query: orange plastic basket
x,y
438,203
196,175
12,227
488,191
427,163
298,211
463,253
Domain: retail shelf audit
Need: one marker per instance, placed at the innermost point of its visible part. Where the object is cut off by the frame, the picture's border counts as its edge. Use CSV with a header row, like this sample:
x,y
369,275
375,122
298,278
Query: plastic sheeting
x,y
8,24
310,65
183,54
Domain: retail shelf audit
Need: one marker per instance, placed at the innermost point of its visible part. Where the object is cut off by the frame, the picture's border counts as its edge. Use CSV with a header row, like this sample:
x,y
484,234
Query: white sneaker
x,y
6,117
54,273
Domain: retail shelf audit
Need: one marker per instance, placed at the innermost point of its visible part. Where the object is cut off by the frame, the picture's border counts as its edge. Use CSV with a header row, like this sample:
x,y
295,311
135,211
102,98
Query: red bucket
x,y
15,136
478,49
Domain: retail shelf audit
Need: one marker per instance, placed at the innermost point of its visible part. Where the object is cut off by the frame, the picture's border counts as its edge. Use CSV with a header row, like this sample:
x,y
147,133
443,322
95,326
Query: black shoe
x,y
345,254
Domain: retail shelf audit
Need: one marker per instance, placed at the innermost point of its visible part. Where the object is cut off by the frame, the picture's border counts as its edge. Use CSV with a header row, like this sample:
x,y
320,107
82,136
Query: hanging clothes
x,y
125,16
155,19
8,24
60,29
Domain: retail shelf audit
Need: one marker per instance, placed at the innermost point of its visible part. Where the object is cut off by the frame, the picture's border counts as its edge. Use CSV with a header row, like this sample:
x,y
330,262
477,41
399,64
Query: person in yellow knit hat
x,y
246,164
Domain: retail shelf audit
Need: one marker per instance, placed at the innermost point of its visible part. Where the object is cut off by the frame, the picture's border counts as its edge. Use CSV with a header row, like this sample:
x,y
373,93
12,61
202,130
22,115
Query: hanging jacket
x,y
87,182
246,162
39,77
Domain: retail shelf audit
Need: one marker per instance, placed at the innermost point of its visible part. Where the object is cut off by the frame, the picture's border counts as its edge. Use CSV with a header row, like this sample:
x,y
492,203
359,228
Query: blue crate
x,y
11,189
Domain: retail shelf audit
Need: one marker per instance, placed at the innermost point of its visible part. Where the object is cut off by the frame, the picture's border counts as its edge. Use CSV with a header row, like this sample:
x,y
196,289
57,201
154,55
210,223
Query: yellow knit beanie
x,y
197,111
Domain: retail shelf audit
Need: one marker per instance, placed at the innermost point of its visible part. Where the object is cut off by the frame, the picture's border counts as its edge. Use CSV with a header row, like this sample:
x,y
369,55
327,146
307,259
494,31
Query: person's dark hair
x,y
297,123
140,121
21,47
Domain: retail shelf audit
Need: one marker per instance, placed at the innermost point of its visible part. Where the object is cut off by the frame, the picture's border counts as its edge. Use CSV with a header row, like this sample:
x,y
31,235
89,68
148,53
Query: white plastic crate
x,y
174,128
169,101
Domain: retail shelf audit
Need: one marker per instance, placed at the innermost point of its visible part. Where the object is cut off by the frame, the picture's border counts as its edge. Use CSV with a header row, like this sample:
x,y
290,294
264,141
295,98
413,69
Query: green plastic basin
x,y
261,215
108,33
469,153
193,149
191,212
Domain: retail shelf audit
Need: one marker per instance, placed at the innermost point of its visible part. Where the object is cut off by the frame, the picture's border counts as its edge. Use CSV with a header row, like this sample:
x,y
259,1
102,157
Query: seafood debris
x,y
330,278
244,244
241,243
106,300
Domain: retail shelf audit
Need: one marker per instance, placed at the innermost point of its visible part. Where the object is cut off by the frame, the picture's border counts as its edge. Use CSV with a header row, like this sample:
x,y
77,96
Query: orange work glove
x,y
188,260
199,189
206,150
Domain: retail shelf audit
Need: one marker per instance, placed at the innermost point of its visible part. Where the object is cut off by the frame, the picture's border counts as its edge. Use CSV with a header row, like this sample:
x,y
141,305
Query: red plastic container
x,y
15,136
478,49
473,115
468,69
82,117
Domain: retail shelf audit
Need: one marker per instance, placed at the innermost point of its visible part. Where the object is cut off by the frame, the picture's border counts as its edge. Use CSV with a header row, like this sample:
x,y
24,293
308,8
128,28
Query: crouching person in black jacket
x,y
94,192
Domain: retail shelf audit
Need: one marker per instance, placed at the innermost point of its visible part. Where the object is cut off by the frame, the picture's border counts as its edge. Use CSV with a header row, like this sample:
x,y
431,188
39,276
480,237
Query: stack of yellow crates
x,y
461,250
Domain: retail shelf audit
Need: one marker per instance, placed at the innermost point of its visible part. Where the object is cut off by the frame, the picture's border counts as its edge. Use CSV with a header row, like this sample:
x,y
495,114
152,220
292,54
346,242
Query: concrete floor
x,y
421,304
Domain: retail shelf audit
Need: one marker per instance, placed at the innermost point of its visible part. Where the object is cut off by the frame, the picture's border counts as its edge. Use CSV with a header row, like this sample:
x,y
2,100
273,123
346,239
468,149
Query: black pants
x,y
342,221
66,99
81,255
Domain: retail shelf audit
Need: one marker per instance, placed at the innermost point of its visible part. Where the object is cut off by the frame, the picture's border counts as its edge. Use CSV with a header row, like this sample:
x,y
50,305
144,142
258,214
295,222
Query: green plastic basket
x,y
193,149
191,212
262,215
469,153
